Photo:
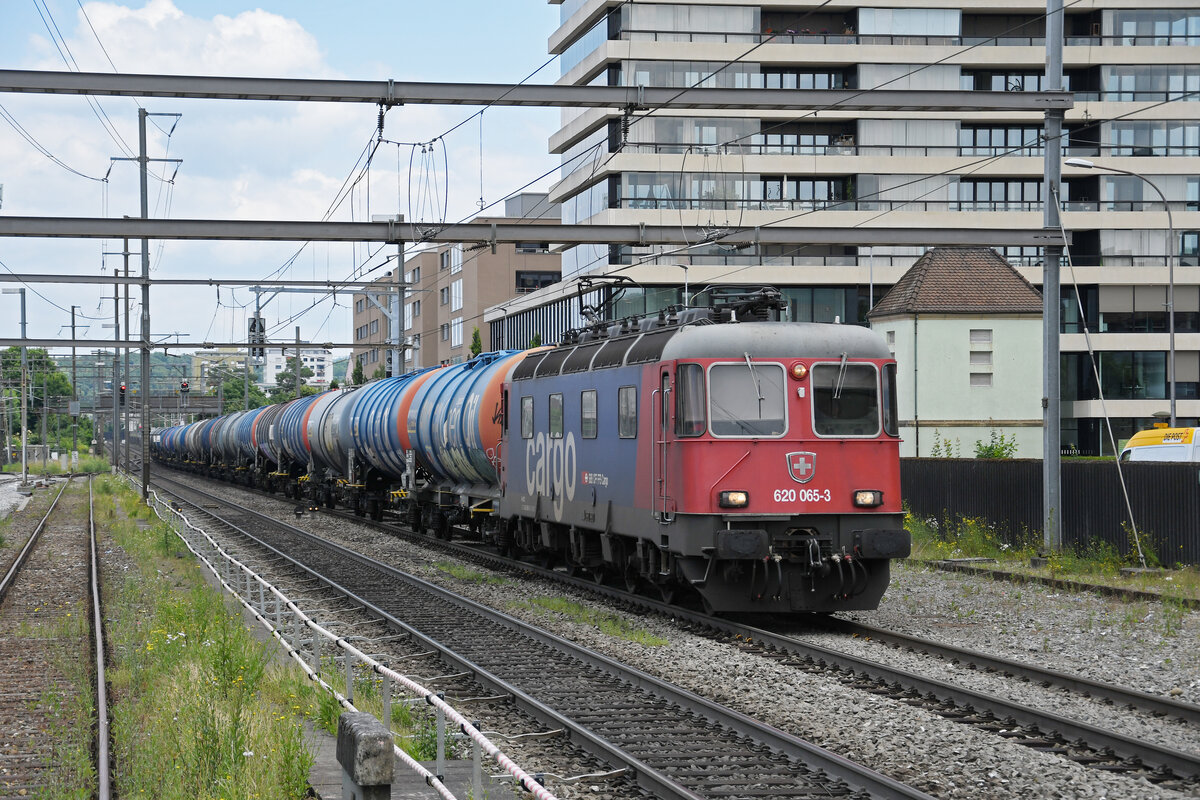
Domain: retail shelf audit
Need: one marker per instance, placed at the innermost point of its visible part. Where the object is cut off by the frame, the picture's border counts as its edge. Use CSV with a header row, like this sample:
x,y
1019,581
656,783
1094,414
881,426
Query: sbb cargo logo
x,y
595,479
550,469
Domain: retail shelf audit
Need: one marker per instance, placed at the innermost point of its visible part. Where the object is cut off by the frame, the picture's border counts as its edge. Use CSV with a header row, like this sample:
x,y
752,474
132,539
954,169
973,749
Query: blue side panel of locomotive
x,y
573,468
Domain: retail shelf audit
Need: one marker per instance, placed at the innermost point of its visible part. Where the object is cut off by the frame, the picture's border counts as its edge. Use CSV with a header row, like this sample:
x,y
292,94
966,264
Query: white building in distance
x,y
966,331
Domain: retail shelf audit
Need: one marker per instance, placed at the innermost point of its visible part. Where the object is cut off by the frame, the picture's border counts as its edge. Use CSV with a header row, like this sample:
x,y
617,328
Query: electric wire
x,y
64,51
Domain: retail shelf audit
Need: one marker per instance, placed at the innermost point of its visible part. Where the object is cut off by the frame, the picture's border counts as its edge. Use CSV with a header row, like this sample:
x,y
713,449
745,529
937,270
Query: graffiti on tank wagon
x,y
550,469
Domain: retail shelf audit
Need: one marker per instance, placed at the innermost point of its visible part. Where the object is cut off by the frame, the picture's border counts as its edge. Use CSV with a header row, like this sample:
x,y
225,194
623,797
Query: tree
x,y
285,388
358,377
476,343
46,383
233,388
536,341
378,373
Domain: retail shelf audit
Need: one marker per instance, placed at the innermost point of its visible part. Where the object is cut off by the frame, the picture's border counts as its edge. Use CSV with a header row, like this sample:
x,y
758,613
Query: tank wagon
x,y
713,452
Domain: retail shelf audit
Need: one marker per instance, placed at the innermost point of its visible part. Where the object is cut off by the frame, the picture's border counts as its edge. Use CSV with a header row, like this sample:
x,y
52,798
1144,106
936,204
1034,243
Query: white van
x,y
1163,444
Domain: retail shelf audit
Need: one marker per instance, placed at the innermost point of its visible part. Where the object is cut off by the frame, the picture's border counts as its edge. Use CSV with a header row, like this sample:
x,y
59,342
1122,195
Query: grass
x,y
607,623
232,701
468,575
1100,562
198,709
86,464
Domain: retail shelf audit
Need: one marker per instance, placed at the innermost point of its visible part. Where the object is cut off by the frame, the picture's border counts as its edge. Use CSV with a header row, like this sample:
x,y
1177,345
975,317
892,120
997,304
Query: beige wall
x,y
487,279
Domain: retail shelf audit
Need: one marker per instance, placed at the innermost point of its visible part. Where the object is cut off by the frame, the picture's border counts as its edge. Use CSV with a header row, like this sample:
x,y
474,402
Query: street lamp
x,y
24,391
1083,163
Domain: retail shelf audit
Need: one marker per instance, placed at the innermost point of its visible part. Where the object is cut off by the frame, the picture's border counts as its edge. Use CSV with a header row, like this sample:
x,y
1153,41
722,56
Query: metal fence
x,y
1008,494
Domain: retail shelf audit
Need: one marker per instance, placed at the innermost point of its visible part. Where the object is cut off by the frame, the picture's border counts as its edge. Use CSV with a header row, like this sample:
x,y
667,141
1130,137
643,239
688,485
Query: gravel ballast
x,y
1143,646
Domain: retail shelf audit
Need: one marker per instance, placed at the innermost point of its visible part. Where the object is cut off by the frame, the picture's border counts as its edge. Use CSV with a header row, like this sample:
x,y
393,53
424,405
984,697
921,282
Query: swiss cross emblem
x,y
802,466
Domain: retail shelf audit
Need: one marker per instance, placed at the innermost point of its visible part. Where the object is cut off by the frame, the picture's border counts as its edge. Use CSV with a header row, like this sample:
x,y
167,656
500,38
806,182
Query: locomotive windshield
x,y
845,399
747,399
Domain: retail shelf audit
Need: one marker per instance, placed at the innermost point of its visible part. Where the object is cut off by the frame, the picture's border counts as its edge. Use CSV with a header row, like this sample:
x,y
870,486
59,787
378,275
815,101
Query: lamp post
x,y
24,392
1083,163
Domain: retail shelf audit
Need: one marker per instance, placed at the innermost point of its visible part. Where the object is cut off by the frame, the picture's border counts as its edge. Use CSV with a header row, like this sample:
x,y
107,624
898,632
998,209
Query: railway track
x,y
50,612
675,743
1090,745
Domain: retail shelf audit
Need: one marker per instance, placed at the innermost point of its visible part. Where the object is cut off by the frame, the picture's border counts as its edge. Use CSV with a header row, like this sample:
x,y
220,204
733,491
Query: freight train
x,y
713,453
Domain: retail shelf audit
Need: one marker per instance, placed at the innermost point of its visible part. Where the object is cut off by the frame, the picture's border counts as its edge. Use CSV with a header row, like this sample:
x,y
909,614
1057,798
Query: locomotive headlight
x,y
734,499
798,371
868,498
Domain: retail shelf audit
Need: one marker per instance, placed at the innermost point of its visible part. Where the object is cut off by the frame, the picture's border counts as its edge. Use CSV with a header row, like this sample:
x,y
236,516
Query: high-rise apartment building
x,y
1134,69
447,289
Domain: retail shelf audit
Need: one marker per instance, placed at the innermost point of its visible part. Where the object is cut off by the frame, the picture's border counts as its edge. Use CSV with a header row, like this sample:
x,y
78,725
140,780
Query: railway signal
x,y
122,394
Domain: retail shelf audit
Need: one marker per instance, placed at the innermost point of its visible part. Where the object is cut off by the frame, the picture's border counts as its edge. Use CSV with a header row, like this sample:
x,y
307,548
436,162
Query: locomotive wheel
x,y
599,574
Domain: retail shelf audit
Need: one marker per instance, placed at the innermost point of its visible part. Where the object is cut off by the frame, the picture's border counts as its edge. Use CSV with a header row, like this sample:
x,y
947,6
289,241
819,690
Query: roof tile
x,y
960,280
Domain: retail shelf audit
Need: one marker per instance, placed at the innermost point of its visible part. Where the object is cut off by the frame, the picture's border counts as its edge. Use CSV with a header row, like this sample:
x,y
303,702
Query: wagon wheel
x,y
600,574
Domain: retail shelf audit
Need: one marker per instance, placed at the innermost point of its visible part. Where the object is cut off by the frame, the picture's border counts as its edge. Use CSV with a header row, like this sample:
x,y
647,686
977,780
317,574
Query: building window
x,y
374,326
982,380
443,259
981,358
444,295
456,261
456,332
981,336
556,416
359,305
588,424
408,317
416,308
374,356
414,276
445,331
528,281
456,295
627,412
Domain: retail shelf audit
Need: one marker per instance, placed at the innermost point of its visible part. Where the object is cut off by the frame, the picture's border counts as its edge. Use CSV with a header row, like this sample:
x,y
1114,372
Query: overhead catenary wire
x,y
1087,337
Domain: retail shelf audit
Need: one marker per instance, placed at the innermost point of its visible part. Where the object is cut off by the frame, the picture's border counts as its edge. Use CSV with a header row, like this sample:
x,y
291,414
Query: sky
x,y
255,160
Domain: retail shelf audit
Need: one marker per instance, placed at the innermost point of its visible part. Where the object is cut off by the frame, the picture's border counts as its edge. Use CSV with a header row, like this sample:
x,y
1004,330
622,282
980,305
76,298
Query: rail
x,y
103,778
243,575
15,569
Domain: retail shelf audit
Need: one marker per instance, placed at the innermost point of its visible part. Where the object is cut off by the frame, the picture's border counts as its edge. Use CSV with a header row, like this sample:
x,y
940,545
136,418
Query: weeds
x,y
195,713
469,575
606,623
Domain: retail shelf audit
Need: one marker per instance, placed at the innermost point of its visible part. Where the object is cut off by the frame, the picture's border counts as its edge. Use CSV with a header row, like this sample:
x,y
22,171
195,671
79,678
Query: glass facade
x,y
758,167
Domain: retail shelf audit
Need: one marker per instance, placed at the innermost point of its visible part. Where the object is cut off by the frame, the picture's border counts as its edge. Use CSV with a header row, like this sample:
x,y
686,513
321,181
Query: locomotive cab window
x,y
556,416
845,399
526,417
891,423
627,412
588,425
689,400
747,399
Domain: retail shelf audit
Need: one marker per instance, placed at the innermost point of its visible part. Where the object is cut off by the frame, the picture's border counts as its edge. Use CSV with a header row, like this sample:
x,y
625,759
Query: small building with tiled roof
x,y
966,331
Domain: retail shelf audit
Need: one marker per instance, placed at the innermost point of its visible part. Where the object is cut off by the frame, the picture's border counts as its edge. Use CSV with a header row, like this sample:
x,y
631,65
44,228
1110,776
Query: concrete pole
x,y
7,427
45,412
1051,378
24,398
144,381
116,371
74,389
125,371
298,362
